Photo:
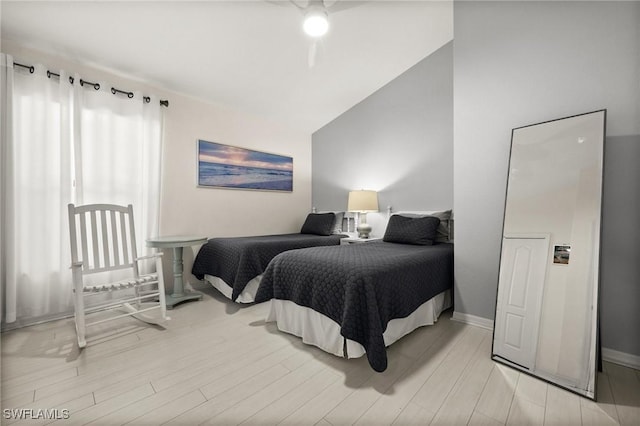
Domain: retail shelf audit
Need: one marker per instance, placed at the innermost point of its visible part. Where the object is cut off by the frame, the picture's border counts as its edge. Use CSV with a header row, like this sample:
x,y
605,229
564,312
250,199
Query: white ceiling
x,y
246,55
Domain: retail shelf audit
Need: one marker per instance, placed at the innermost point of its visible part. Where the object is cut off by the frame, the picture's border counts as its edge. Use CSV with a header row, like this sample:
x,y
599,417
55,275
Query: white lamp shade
x,y
363,201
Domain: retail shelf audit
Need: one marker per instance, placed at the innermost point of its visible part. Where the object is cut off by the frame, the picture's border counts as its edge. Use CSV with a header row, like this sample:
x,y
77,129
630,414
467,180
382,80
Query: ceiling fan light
x,y
316,23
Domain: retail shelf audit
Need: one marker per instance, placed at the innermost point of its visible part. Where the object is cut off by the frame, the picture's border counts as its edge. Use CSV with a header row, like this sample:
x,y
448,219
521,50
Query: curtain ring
x,y
31,68
129,94
95,85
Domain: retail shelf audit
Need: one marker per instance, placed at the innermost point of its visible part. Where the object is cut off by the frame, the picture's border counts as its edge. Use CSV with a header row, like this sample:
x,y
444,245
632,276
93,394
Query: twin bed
x,y
234,266
349,300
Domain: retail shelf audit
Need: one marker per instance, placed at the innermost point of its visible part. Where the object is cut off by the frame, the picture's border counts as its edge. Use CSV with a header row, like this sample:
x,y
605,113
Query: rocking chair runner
x,y
102,240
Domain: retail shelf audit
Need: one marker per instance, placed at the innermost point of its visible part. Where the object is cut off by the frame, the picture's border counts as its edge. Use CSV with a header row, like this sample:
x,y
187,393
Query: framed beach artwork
x,y
225,166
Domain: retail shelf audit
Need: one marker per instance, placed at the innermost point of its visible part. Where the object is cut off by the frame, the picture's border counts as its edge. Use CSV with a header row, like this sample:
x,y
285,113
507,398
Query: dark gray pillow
x,y
319,224
411,230
444,233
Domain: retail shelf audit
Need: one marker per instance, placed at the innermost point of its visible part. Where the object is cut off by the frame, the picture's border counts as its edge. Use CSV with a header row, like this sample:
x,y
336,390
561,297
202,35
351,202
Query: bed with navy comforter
x,y
238,260
361,287
235,265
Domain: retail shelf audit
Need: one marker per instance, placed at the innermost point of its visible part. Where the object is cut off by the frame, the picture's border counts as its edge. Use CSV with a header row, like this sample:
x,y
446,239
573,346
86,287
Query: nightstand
x,y
356,240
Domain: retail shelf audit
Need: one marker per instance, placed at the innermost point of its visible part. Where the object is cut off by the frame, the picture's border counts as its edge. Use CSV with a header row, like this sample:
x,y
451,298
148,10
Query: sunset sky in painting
x,y
211,152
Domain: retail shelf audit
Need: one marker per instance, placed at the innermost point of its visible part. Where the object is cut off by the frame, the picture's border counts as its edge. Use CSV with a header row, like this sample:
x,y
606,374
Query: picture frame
x,y
561,254
232,167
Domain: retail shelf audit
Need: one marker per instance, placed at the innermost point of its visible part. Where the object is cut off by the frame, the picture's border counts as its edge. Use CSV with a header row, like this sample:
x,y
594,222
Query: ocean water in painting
x,y
235,176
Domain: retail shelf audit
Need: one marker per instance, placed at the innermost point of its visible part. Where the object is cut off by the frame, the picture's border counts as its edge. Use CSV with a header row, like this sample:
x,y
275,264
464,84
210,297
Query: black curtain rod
x,y
29,67
147,99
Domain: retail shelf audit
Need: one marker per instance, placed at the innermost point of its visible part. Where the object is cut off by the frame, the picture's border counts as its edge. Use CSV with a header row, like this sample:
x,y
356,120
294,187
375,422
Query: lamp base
x,y
364,229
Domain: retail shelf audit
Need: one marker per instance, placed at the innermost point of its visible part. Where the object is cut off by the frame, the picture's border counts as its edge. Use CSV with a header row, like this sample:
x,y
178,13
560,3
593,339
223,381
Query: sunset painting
x,y
232,167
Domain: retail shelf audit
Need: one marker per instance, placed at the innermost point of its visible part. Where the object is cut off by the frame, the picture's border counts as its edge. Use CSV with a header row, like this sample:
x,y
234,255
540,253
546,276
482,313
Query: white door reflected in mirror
x,y
546,309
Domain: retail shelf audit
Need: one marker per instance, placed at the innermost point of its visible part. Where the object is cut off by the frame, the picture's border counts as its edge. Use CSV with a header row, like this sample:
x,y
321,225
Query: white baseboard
x,y
622,358
609,355
473,320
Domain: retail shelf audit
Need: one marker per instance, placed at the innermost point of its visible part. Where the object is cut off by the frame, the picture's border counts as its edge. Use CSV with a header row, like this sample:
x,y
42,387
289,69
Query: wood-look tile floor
x,y
219,363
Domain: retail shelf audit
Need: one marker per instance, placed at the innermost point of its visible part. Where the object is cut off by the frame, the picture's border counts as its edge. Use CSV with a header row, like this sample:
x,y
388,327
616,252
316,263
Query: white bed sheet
x,y
248,295
318,330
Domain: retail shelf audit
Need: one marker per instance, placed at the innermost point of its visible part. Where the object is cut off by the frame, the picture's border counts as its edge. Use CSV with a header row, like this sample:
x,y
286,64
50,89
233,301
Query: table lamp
x,y
363,202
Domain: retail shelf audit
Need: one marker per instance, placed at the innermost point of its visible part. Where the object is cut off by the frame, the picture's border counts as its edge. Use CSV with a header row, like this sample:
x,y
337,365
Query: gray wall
x,y
518,63
398,141
620,273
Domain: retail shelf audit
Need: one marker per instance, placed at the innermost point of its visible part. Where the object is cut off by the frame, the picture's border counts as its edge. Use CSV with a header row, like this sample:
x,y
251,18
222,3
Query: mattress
x,y
248,294
318,330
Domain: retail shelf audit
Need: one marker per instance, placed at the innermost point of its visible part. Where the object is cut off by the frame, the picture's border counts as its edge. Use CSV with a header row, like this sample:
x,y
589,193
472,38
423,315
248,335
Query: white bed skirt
x,y
248,295
318,330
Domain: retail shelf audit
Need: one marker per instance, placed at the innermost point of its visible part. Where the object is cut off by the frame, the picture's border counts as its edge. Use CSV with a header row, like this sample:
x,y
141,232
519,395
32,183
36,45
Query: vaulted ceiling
x,y
246,55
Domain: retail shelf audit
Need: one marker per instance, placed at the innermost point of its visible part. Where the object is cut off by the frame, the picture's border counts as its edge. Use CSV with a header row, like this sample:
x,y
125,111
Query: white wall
x,y
518,63
185,208
228,212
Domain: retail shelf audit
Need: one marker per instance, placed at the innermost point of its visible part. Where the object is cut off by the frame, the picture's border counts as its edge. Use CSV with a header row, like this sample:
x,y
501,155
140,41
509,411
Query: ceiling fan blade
x,y
286,3
313,50
333,6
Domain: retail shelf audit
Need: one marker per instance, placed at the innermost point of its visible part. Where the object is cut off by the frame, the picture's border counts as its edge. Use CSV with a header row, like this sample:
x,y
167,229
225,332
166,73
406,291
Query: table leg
x,y
178,287
179,294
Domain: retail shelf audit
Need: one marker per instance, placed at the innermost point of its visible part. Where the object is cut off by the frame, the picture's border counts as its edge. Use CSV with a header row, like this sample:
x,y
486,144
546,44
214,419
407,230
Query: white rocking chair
x,y
102,240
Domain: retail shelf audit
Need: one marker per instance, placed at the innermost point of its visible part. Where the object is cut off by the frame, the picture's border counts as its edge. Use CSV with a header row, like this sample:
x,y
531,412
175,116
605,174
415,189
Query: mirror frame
x,y
596,304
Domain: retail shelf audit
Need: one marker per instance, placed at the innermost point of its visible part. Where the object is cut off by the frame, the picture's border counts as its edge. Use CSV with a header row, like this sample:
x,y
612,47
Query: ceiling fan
x,y
315,21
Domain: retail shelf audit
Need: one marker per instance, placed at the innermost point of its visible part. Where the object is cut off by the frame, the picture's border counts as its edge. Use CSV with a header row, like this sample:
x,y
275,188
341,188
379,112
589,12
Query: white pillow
x,y
337,225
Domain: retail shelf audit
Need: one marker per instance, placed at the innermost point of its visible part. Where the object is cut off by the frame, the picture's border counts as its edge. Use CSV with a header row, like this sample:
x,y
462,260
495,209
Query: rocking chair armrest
x,y
151,256
76,265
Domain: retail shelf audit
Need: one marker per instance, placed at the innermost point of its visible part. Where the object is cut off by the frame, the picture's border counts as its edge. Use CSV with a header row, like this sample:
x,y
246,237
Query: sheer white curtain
x,y
119,154
6,92
66,143
37,185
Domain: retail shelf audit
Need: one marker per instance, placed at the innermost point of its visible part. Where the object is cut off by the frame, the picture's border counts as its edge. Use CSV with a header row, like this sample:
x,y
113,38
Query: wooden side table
x,y
177,243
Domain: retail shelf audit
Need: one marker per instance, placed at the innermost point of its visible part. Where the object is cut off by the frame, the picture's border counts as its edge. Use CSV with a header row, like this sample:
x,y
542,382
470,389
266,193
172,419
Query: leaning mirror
x,y
547,304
